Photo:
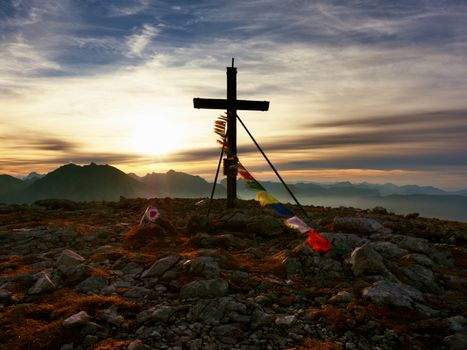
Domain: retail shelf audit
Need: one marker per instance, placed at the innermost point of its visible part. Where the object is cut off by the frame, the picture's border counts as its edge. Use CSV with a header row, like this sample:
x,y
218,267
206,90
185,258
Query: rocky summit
x,y
90,276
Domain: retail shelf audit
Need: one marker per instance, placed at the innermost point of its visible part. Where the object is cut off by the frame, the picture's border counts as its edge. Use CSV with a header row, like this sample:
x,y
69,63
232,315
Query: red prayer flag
x,y
318,242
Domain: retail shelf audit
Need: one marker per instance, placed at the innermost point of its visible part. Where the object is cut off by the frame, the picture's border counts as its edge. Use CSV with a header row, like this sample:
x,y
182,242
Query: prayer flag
x,y
265,198
298,224
318,242
152,213
282,210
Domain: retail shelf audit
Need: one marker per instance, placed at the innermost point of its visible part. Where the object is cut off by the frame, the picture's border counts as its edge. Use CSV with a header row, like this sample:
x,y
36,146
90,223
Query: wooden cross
x,y
231,104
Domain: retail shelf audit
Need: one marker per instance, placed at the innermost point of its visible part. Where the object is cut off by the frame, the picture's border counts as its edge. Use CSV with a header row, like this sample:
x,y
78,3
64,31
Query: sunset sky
x,y
359,90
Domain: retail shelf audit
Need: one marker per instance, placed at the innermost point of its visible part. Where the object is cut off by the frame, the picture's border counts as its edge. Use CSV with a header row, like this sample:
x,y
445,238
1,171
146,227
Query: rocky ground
x,y
87,276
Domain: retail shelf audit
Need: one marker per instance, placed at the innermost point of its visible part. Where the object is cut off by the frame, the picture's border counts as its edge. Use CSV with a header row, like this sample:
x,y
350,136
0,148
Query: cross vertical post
x,y
232,133
231,104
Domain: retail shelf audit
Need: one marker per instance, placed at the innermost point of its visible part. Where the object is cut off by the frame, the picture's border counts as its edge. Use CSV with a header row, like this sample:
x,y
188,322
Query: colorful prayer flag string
x,y
315,240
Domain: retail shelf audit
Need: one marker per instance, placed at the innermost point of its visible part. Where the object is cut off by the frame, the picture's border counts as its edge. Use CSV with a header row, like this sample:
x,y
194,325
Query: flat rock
x,y
356,225
211,288
79,319
43,284
413,244
161,266
392,293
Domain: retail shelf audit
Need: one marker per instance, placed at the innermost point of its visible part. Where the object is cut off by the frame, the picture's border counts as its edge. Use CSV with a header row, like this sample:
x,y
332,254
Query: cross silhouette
x,y
231,104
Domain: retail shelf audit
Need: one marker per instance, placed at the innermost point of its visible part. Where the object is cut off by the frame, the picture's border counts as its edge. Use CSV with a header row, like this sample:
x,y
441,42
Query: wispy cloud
x,y
138,42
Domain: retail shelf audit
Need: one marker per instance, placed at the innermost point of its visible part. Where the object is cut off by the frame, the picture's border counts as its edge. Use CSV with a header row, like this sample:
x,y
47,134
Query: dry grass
x,y
316,344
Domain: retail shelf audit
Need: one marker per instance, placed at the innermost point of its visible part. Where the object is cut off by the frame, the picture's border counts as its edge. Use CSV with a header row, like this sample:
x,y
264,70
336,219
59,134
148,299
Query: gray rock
x,y
210,312
68,259
111,316
92,284
137,293
265,225
5,296
43,284
285,320
456,341
414,244
341,297
156,314
388,250
211,288
418,259
420,277
161,266
68,346
79,319
347,241
89,340
204,266
356,225
392,293
132,269
92,328
293,267
456,323
260,318
365,260
234,220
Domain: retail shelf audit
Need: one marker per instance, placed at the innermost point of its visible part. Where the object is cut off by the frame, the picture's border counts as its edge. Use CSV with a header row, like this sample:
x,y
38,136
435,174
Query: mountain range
x,y
103,182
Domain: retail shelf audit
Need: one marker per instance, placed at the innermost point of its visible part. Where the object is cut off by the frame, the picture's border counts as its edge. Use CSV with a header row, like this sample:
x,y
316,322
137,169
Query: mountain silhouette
x,y
80,183
179,184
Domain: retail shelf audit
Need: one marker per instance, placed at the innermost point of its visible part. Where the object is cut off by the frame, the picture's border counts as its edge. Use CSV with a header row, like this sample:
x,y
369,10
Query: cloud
x,y
138,42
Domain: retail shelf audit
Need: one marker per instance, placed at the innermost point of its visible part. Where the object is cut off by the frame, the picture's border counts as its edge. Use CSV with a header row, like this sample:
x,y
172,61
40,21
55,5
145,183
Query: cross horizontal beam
x,y
218,103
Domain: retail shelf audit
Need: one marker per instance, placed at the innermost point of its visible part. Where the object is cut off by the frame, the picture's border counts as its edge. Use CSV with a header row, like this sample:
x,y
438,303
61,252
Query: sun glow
x,y
155,136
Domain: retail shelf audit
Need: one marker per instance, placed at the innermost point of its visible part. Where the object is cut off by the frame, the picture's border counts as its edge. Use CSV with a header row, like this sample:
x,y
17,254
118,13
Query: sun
x,y
155,136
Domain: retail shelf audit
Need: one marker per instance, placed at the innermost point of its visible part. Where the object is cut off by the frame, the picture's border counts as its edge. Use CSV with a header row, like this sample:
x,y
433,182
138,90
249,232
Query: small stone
x,y
79,319
285,320
89,340
139,293
365,260
155,314
67,346
260,318
43,284
341,297
204,266
212,288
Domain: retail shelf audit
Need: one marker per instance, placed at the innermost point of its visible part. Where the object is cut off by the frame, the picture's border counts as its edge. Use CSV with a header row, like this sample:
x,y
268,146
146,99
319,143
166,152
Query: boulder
x,y
211,288
233,220
392,293
356,225
161,266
